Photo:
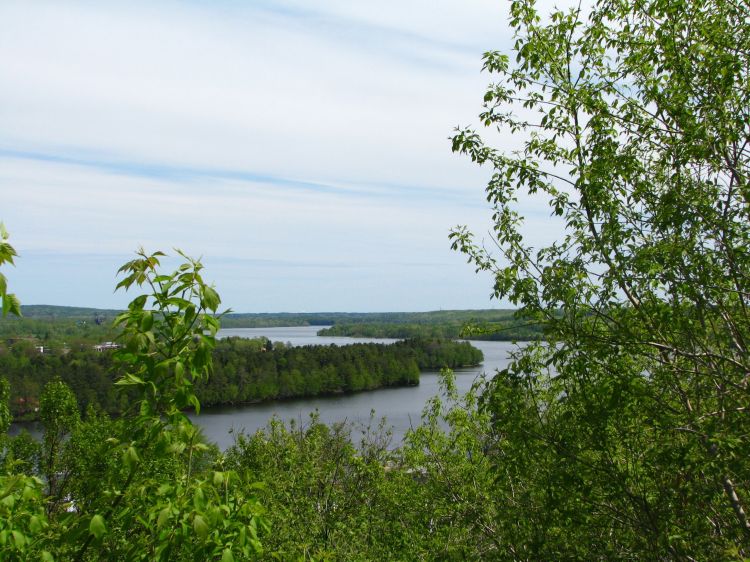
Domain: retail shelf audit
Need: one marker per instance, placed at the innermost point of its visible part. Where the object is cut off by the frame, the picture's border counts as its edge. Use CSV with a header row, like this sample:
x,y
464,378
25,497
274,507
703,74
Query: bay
x,y
401,406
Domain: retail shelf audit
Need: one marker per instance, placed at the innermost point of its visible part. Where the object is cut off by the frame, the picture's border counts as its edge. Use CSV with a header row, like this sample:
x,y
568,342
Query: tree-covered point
x,y
59,328
508,330
457,317
245,370
57,333
74,327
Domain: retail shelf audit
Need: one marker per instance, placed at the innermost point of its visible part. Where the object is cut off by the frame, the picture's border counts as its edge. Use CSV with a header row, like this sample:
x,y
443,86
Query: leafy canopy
x,y
634,120
146,487
10,302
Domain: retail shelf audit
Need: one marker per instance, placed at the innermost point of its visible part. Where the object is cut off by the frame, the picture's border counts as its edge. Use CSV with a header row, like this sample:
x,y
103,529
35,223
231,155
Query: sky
x,y
300,147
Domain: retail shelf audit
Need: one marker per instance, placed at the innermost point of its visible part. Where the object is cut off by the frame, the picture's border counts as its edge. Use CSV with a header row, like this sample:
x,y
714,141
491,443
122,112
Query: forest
x,y
509,330
244,371
58,327
623,433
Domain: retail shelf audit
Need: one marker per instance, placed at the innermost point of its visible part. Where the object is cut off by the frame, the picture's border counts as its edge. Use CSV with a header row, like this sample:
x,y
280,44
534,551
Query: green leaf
x,y
162,369
163,518
130,380
96,527
147,321
193,400
211,299
11,304
227,555
35,525
15,307
179,371
200,527
18,538
199,499
130,458
138,303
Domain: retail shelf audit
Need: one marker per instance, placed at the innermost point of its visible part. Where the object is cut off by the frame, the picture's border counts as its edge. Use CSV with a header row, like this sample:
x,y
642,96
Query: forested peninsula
x,y
74,327
244,371
509,330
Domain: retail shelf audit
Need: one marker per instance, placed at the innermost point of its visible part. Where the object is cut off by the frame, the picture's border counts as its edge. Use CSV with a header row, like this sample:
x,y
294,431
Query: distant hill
x,y
49,311
59,325
265,320
272,319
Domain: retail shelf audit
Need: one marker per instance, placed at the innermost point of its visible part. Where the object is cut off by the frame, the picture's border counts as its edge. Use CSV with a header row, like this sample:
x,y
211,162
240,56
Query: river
x,y
401,406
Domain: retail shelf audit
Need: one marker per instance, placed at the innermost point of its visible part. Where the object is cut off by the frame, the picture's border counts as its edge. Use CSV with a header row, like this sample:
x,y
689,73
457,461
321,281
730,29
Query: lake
x,y
401,406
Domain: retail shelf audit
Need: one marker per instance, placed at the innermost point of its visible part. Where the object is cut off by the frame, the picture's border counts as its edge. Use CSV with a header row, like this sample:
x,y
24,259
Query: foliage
x,y
262,320
167,348
5,415
636,132
243,371
10,302
57,335
58,412
456,510
146,487
61,328
508,330
332,496
325,500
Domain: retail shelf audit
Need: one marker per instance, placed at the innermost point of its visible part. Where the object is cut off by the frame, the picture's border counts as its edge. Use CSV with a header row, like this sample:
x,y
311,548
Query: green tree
x,y
9,301
634,119
164,503
146,487
5,415
60,415
22,513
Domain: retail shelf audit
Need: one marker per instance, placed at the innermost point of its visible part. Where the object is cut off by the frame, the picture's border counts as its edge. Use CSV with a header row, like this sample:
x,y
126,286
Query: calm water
x,y
401,406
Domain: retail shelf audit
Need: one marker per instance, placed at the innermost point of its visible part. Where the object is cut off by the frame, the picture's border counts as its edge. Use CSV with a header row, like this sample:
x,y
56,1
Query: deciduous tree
x,y
634,119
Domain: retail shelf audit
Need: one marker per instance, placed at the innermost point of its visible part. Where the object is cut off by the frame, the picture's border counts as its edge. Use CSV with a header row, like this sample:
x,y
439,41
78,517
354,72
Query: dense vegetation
x,y
340,493
624,437
243,371
508,330
627,436
61,327
285,372
56,335
140,488
452,317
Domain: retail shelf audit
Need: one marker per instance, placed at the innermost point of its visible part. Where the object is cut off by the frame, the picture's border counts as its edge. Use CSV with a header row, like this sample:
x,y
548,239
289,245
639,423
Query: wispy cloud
x,y
301,147
187,176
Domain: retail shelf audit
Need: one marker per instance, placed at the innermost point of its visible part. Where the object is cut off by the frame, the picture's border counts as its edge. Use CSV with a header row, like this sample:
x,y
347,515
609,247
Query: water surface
x,y
401,406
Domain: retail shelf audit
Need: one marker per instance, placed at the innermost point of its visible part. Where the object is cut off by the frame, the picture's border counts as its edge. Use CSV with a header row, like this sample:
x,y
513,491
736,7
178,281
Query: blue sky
x,y
300,147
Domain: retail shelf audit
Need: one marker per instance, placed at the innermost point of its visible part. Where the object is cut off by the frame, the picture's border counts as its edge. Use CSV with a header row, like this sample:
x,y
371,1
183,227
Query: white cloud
x,y
159,114
255,93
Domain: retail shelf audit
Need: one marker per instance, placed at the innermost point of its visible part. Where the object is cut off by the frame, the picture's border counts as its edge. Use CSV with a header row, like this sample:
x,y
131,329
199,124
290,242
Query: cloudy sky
x,y
300,147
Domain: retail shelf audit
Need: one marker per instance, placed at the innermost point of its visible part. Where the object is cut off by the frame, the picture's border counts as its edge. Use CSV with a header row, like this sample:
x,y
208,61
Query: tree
x,y
9,301
146,486
163,503
60,415
635,123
